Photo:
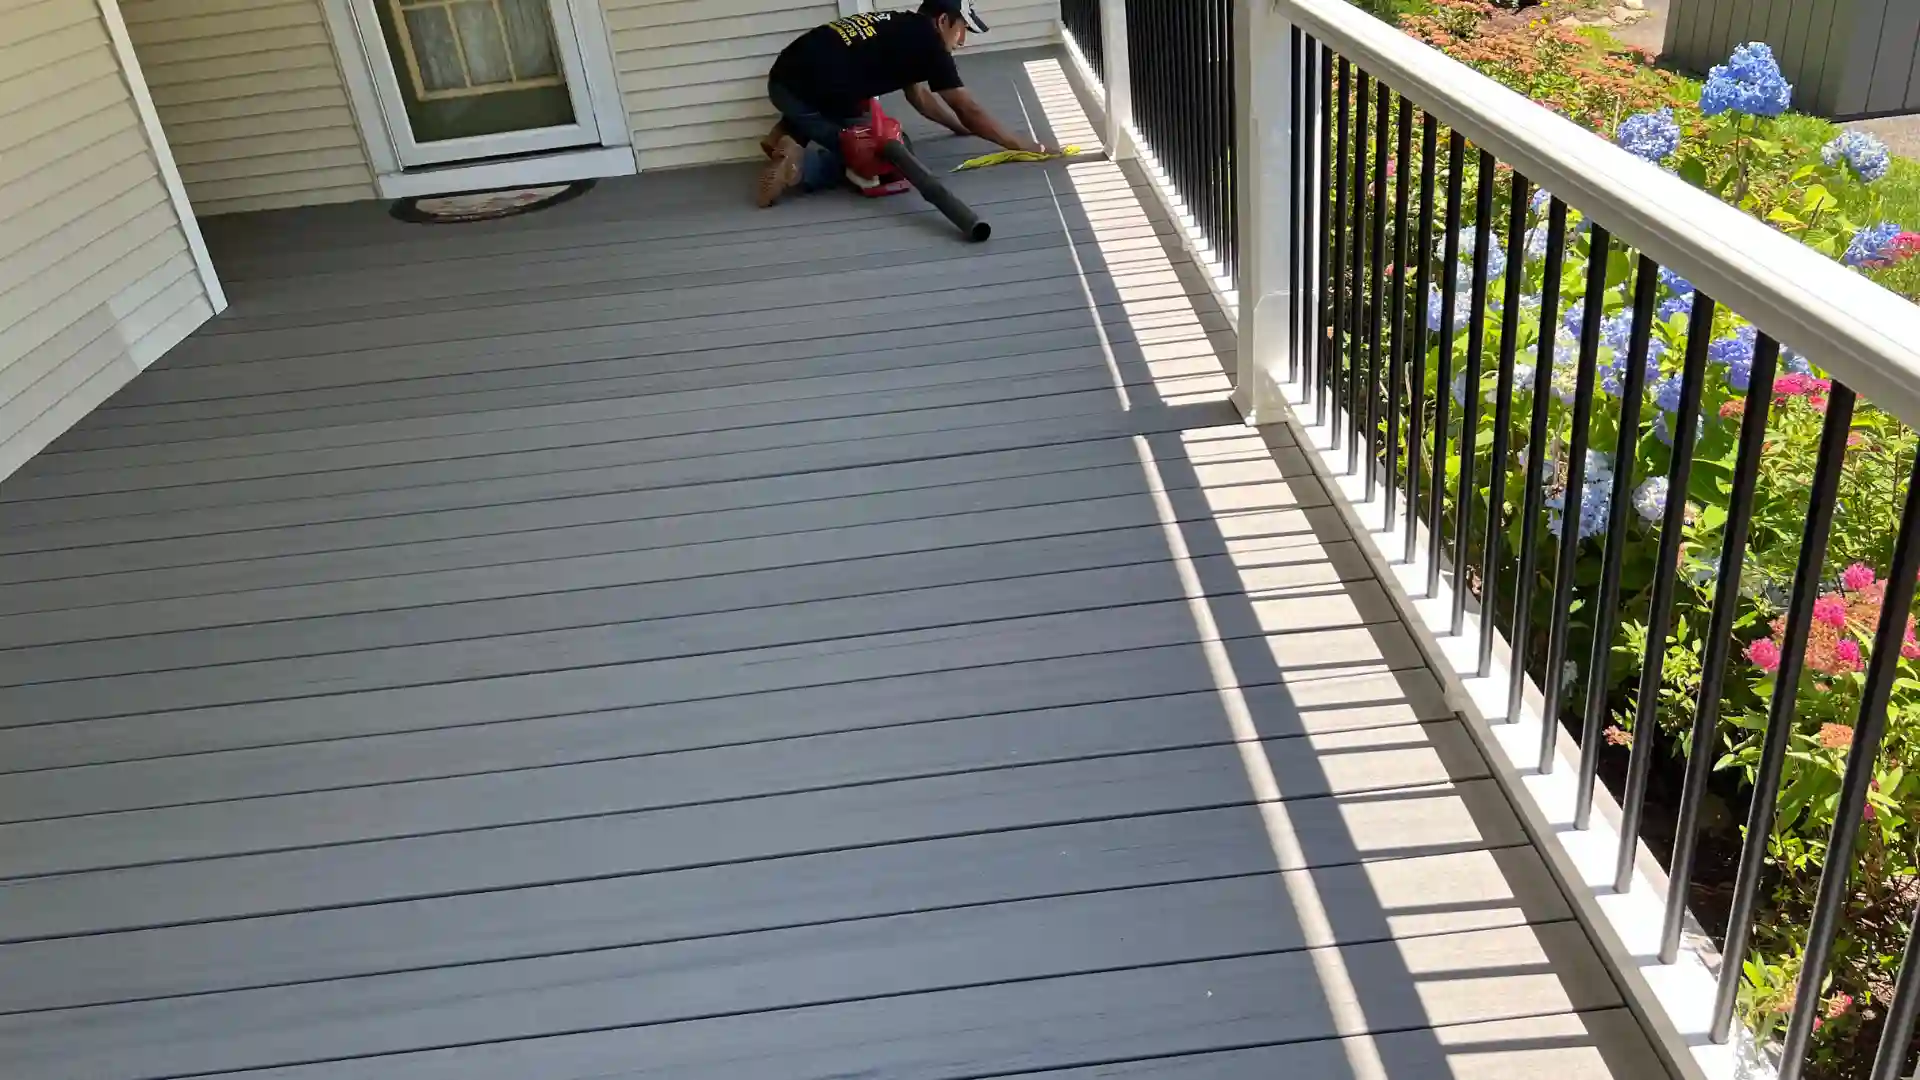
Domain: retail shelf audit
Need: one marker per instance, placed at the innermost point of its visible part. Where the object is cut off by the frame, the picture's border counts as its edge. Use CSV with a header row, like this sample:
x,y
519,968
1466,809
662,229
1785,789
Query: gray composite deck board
x,y
648,637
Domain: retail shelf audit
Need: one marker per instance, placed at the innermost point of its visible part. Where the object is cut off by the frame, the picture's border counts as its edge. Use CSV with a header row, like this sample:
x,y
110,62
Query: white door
x,y
461,80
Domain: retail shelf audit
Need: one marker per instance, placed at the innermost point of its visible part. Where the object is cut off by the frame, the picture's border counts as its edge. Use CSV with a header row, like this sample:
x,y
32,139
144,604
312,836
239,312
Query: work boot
x,y
770,142
782,171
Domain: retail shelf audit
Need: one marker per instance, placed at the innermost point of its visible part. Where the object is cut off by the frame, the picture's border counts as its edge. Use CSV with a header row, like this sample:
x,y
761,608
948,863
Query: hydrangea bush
x,y
1825,196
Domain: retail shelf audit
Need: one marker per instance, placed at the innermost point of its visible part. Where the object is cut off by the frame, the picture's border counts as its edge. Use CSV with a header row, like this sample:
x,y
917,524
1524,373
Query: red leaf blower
x,y
879,163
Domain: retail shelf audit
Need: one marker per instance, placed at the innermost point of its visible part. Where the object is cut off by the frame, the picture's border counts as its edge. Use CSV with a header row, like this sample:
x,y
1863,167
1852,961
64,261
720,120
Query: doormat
x,y
486,205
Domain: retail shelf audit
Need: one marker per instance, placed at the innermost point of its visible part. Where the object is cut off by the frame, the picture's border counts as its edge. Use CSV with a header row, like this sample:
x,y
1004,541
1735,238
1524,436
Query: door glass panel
x,y
475,67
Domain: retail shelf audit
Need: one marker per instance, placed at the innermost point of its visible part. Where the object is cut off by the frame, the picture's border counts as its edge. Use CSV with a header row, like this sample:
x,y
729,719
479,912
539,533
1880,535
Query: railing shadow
x,y
1384,992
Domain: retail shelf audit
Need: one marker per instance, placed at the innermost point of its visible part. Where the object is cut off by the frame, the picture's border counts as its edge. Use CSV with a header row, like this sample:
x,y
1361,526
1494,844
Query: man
x,y
823,80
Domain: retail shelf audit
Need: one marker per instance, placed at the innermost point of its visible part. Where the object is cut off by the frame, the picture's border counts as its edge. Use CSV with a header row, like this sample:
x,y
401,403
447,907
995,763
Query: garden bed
x,y
1843,195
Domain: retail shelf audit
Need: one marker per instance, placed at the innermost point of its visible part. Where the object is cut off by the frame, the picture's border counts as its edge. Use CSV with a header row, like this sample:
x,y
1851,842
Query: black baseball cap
x,y
959,9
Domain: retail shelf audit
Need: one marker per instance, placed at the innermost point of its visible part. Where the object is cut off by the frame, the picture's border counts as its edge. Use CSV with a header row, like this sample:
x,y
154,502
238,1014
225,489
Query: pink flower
x,y
1858,577
1905,246
1764,654
1830,609
1790,386
1847,651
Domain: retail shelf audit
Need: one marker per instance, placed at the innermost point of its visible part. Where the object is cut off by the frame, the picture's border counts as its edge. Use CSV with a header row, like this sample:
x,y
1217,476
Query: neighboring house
x,y
122,122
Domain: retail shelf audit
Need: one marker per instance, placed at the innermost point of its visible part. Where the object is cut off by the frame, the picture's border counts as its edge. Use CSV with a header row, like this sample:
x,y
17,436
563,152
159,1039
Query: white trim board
x,y
482,176
162,151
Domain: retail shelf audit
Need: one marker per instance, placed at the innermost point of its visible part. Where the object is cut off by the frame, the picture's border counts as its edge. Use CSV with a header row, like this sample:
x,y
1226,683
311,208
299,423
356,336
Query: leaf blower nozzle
x,y
878,162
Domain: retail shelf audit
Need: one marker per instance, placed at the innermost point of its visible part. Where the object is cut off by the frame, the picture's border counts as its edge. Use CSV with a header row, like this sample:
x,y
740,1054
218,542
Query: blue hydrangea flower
x,y
1749,82
1871,244
1537,242
1575,317
1599,463
1734,347
1666,393
1595,493
1663,428
1793,363
1538,204
1460,390
1864,154
1650,498
1616,330
1436,308
1496,258
1675,282
1651,136
1735,352
1523,378
1674,306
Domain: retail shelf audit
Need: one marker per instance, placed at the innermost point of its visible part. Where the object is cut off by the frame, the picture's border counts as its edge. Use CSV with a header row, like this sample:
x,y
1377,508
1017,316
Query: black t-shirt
x,y
837,67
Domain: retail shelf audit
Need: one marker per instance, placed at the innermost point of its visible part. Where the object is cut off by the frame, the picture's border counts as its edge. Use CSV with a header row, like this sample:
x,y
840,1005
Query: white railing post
x,y
1263,179
1119,78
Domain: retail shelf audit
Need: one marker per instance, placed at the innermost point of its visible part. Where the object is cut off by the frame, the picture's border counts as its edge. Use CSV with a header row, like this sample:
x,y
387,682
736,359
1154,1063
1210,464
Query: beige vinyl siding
x,y
693,73
252,100
1018,24
96,279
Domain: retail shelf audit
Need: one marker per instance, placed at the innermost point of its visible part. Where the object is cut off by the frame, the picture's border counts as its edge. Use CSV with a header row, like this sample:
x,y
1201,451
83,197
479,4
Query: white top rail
x,y
1862,334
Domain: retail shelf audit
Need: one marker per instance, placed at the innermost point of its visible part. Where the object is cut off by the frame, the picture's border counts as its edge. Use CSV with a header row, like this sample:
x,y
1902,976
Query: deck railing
x,y
1081,19
1181,76
1538,465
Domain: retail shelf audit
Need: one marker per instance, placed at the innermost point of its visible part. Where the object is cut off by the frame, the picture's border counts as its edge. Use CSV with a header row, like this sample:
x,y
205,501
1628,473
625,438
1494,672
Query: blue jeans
x,y
814,129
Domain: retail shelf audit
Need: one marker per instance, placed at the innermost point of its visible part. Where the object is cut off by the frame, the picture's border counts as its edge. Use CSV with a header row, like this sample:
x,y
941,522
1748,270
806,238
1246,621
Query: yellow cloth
x,y
1005,156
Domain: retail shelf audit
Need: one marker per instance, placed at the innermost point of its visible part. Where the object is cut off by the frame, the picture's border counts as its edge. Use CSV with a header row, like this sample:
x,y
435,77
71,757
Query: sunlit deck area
x,y
654,637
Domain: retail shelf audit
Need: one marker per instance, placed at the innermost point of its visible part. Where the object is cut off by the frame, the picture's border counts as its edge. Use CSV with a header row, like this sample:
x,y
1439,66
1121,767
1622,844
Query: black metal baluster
x,y
1673,523
1417,375
1191,133
1377,245
1296,200
1397,358
1357,310
1229,142
1536,495
1323,280
1822,498
1502,419
1222,131
1470,400
1340,315
1619,502
1570,502
1862,755
1443,375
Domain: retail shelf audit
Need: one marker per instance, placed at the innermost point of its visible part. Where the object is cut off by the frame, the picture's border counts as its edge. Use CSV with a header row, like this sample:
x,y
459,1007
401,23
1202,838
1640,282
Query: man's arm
x,y
981,123
930,106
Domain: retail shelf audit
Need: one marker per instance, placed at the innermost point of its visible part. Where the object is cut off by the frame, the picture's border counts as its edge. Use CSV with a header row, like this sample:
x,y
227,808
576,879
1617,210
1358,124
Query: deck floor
x,y
652,637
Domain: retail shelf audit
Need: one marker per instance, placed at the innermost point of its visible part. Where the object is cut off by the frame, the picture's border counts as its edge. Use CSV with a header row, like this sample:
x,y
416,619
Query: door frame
x,y
612,156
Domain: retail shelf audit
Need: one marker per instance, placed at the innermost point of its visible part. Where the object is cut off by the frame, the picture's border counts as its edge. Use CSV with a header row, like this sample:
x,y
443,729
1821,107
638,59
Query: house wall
x,y
252,100
693,73
97,275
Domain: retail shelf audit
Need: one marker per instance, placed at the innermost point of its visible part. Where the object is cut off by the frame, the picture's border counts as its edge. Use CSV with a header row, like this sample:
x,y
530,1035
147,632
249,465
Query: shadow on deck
x,y
652,637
